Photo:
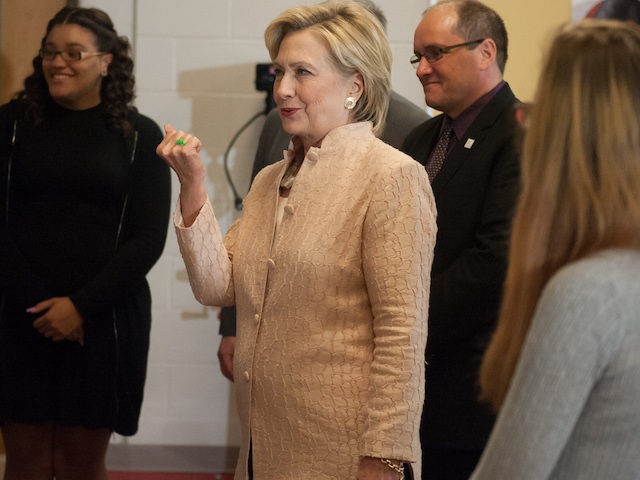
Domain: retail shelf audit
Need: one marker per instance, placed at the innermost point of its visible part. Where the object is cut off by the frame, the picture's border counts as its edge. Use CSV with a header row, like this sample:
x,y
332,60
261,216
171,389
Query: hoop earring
x,y
350,103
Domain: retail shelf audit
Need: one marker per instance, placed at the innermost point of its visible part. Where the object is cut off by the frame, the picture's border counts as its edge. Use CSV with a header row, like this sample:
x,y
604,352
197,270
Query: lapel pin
x,y
469,143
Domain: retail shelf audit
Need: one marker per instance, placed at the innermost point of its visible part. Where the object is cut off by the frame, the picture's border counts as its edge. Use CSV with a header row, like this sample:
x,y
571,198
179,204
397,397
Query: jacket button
x,y
271,263
288,209
256,317
246,375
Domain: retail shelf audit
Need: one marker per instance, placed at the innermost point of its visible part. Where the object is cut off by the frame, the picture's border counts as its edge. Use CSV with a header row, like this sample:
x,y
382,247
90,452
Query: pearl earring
x,y
350,103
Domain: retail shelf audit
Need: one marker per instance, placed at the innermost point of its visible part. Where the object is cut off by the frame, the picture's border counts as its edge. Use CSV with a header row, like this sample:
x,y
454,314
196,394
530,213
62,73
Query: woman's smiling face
x,y
309,89
74,84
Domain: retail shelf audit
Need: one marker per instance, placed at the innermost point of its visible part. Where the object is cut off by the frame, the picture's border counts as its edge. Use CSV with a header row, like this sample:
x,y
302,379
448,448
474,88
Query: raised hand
x,y
181,151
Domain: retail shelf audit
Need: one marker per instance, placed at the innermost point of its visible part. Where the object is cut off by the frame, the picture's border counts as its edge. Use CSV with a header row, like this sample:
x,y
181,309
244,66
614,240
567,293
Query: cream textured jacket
x,y
332,309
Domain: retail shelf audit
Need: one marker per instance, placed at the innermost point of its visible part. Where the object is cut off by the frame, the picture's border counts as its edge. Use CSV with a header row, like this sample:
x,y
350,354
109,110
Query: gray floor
x,y
166,458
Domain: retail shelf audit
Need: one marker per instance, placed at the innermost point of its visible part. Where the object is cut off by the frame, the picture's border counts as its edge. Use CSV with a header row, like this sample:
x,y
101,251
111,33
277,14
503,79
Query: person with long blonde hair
x,y
563,367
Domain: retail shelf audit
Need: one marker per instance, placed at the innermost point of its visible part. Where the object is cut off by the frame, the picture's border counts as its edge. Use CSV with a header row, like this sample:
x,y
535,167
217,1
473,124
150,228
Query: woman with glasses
x,y
563,368
85,204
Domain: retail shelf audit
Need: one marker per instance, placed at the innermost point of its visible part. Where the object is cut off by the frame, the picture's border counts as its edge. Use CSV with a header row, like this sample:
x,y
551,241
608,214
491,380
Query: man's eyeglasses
x,y
67,55
433,53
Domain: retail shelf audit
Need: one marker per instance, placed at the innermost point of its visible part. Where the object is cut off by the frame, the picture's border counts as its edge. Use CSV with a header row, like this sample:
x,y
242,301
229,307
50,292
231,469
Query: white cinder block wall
x,y
195,69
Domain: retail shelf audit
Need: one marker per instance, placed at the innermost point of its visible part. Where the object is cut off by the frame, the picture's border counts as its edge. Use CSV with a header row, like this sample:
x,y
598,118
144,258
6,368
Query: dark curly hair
x,y
117,88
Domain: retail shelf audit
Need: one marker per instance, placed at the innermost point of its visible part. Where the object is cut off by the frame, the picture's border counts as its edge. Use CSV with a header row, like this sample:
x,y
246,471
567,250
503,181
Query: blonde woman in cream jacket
x,y
328,265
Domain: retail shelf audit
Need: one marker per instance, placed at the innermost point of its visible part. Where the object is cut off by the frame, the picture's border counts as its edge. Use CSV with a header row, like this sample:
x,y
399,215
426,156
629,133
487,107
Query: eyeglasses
x,y
67,55
433,53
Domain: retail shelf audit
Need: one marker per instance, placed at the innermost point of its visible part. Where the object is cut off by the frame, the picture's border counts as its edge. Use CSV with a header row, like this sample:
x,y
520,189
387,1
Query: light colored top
x,y
573,408
332,309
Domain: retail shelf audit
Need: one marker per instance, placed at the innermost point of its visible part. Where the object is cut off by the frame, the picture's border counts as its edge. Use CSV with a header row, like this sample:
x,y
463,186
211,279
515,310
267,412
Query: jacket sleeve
x,y
207,258
398,239
144,228
7,250
16,275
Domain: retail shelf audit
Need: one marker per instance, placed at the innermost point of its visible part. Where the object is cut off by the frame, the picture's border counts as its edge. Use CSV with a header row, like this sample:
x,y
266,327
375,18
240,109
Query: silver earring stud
x,y
349,103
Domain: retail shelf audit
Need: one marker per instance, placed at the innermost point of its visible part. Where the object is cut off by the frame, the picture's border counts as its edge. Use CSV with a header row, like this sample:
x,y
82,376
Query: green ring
x,y
180,142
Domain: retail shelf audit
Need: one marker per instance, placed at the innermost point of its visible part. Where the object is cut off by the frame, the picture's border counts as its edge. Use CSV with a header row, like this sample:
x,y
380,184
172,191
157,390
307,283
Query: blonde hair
x,y
580,176
356,43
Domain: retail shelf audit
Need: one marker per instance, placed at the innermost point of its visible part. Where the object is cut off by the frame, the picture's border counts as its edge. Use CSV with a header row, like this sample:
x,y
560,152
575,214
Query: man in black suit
x,y
460,52
402,117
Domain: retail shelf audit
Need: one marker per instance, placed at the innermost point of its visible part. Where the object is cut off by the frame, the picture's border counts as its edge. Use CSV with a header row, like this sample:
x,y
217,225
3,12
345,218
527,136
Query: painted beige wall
x,y
530,25
20,40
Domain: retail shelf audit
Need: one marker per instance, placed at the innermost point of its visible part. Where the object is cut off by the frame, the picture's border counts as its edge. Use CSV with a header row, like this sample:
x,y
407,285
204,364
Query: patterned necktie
x,y
438,154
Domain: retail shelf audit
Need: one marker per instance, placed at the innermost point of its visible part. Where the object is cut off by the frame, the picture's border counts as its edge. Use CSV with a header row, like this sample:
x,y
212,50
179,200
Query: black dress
x,y
84,217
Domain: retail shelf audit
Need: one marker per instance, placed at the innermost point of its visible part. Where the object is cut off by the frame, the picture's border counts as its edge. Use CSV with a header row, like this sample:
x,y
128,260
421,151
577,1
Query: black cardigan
x,y
69,178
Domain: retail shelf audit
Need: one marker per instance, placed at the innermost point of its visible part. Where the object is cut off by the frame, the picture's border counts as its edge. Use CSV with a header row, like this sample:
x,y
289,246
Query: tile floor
x,y
171,458
166,458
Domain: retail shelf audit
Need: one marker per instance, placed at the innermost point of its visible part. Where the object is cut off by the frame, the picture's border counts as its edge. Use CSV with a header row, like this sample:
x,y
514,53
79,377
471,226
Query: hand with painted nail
x,y
59,319
181,151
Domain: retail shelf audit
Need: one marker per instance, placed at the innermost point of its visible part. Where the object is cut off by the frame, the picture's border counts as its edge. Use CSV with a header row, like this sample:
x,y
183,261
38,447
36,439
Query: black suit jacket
x,y
475,193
